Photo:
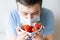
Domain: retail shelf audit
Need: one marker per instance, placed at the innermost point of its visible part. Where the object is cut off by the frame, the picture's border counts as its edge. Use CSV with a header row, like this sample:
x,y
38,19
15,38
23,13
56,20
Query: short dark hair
x,y
29,2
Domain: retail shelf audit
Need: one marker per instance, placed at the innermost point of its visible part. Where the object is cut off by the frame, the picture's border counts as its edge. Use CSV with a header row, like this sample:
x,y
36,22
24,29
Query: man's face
x,y
29,11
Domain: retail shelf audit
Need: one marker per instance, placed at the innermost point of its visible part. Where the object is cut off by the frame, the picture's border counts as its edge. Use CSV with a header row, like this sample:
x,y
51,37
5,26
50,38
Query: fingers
x,y
17,29
26,37
21,34
43,27
36,35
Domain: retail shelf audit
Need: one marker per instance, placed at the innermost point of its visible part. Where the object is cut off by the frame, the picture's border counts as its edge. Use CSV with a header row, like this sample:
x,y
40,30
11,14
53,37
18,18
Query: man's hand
x,y
21,35
37,36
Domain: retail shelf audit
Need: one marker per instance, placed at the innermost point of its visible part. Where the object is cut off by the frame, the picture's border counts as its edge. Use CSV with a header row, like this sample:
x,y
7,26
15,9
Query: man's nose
x,y
30,16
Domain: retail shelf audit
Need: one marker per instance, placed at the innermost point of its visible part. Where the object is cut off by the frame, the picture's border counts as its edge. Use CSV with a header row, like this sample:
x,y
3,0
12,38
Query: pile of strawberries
x,y
31,28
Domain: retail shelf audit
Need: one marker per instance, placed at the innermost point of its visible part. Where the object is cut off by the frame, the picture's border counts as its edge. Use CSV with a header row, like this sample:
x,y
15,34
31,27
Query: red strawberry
x,y
27,28
33,29
23,27
37,25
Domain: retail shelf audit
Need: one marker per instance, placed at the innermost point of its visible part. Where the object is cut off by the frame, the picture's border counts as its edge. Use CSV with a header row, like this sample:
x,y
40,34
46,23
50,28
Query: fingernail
x,y
35,36
26,37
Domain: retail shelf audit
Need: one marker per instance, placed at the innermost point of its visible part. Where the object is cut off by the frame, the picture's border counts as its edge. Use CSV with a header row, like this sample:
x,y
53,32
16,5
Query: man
x,y
27,10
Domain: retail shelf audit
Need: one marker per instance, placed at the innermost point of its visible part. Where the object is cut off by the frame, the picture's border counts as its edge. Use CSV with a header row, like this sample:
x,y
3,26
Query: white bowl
x,y
31,34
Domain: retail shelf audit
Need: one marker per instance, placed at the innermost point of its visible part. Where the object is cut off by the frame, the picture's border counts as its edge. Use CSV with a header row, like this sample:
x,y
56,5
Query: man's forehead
x,y
29,9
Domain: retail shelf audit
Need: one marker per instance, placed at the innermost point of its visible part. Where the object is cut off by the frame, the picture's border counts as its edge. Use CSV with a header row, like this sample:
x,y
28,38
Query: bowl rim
x,y
31,32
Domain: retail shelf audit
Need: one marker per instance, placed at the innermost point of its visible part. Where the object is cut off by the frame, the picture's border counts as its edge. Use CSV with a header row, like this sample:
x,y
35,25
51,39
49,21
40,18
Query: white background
x,y
54,5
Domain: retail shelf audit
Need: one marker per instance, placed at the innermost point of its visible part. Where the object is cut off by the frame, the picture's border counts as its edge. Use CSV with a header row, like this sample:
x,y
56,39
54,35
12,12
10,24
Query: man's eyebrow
x,y
35,11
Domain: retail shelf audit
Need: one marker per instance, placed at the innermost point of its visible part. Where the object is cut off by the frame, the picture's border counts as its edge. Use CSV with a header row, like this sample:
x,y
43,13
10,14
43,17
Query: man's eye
x,y
36,13
25,13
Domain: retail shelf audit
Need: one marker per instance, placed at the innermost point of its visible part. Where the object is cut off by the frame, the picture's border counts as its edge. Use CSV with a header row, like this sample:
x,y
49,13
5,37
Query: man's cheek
x,y
26,17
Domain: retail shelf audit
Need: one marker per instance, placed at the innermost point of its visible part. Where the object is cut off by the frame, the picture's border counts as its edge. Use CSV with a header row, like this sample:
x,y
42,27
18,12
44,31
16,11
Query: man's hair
x,y
29,2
